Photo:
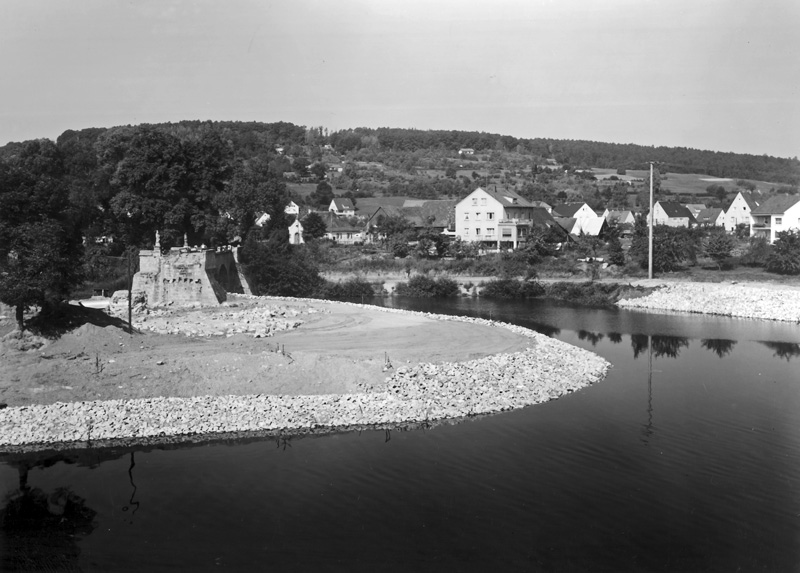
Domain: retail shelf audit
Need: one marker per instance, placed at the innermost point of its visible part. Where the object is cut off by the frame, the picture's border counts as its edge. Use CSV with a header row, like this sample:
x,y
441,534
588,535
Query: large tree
x,y
40,245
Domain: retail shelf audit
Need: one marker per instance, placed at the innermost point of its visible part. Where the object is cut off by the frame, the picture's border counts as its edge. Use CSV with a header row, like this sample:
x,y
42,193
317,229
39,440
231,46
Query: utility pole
x,y
650,228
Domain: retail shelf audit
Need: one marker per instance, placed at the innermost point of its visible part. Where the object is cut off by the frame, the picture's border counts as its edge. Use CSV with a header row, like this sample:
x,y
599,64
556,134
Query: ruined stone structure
x,y
188,276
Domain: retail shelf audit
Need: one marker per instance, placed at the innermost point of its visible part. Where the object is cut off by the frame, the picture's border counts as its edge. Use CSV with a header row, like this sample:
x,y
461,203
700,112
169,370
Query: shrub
x,y
512,288
353,287
424,286
757,253
785,256
719,247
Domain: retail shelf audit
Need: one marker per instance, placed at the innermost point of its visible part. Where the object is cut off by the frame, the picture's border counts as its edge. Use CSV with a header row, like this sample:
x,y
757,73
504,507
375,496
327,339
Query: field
x,y
683,183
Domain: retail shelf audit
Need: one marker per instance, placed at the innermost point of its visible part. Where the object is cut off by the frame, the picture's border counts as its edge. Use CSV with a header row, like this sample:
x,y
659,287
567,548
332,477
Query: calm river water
x,y
686,458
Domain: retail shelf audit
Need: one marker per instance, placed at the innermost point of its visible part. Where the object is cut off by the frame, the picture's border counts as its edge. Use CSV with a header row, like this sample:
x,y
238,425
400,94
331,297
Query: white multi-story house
x,y
739,211
776,214
500,219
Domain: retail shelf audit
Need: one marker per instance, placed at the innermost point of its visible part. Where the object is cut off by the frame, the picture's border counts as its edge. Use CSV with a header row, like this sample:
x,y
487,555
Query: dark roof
x,y
507,198
776,204
567,209
334,223
675,210
566,223
709,215
343,204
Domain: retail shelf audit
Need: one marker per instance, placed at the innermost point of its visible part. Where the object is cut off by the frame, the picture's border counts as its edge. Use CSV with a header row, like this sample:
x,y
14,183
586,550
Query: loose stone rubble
x,y
425,393
734,300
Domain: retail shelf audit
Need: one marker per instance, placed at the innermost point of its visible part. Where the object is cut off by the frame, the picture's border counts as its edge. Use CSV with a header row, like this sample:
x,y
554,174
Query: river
x,y
685,458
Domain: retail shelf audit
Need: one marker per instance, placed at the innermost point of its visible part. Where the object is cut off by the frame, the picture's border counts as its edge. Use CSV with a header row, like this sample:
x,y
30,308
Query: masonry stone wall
x,y
187,276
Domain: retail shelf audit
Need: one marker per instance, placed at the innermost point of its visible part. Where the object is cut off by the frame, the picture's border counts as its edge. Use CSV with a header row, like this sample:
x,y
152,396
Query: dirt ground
x,y
338,349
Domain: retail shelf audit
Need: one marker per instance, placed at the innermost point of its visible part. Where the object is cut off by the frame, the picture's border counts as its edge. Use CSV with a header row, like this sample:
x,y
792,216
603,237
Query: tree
x,y
322,195
314,226
784,257
319,170
719,247
40,247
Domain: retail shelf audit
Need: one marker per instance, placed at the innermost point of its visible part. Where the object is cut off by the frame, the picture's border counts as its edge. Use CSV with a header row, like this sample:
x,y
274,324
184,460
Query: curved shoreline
x,y
733,299
421,394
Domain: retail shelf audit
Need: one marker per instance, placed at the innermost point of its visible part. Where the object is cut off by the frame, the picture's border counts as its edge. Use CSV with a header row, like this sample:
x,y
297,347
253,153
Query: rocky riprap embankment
x,y
428,392
734,300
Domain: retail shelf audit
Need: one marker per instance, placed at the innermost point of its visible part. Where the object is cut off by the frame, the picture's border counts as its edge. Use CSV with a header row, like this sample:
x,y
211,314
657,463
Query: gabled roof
x,y
776,205
506,197
567,209
616,216
336,224
709,215
343,204
751,200
569,224
675,210
593,227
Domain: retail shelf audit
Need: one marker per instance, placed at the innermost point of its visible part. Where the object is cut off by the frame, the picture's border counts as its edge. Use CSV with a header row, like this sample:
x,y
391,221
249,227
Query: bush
x,y
588,293
758,251
785,256
424,286
354,287
512,288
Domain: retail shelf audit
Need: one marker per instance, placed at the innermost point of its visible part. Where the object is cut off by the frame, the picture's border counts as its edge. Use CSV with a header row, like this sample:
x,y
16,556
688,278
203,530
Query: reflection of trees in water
x,y
40,531
545,329
669,346
615,337
787,350
719,346
640,343
662,345
593,337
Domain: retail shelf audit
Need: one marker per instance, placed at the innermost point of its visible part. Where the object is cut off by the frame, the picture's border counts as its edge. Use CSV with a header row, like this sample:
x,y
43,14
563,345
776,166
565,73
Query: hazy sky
x,y
709,74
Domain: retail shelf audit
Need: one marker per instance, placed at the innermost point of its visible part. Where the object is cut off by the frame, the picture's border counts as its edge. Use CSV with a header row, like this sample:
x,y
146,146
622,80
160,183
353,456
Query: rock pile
x,y
258,320
428,392
734,300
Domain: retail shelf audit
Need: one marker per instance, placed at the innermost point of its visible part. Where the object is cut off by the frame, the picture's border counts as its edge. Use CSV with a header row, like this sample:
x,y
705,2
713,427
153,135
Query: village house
x,y
580,211
342,206
501,219
776,214
694,208
712,217
344,230
614,217
672,214
739,211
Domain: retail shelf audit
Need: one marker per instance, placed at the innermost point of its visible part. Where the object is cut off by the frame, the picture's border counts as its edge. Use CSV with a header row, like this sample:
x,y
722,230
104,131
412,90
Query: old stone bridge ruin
x,y
188,276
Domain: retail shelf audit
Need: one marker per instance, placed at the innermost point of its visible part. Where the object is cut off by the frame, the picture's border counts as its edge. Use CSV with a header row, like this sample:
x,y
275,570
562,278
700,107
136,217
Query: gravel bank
x,y
409,395
734,300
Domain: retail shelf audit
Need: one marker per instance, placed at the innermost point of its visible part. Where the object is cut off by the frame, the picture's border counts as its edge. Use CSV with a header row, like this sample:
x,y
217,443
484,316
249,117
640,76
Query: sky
x,y
722,75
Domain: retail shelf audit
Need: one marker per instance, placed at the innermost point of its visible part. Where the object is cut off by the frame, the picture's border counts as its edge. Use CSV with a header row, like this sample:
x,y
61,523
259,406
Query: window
x,y
477,230
474,200
483,201
466,216
490,230
490,215
477,215
778,220
466,231
507,232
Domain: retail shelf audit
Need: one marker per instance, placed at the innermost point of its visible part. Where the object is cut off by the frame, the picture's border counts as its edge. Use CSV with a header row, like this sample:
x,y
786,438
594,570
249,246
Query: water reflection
x,y
615,337
639,343
787,350
593,337
40,531
719,346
